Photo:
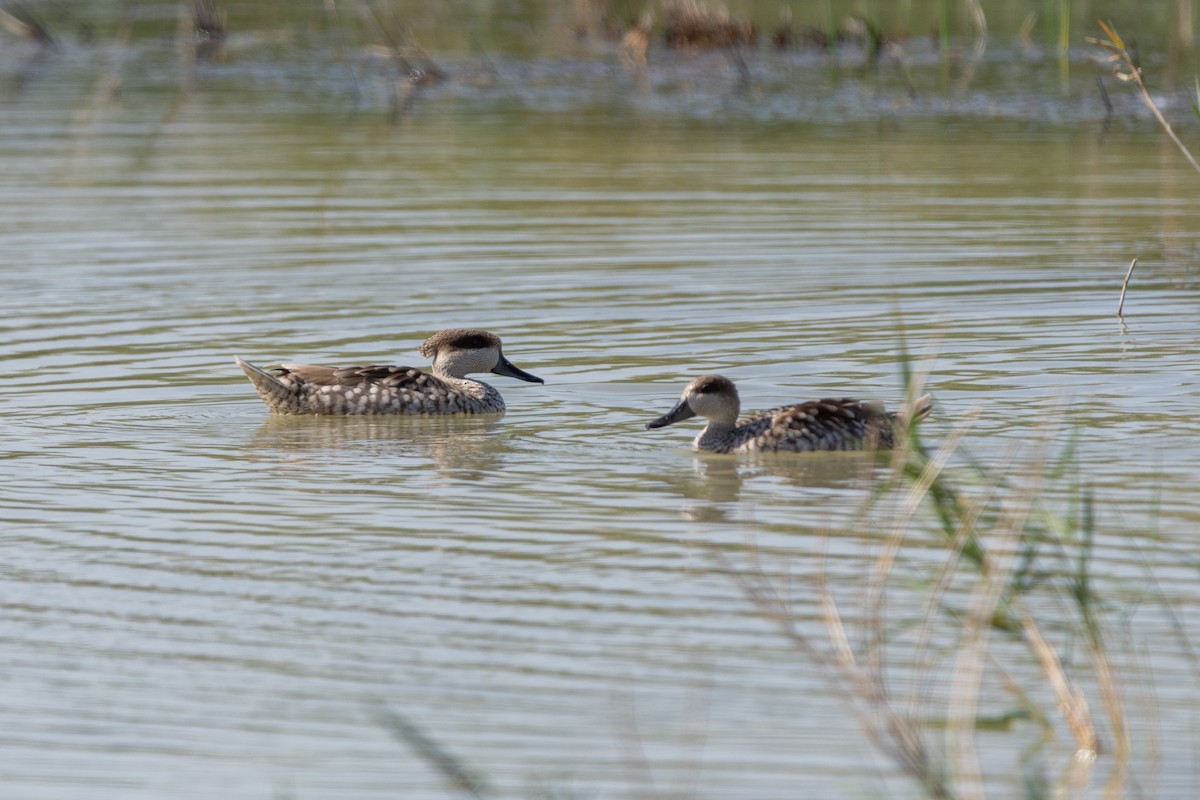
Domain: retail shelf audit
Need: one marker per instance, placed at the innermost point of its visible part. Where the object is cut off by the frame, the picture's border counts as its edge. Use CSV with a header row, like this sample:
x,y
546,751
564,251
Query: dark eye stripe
x,y
471,341
712,384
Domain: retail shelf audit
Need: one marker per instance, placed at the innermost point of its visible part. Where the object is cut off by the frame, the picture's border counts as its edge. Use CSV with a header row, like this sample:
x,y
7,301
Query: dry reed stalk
x,y
978,46
1009,514
987,600
902,522
915,383
1014,531
948,570
636,43
21,22
1122,749
1072,703
1127,67
1025,34
1125,287
863,687
892,732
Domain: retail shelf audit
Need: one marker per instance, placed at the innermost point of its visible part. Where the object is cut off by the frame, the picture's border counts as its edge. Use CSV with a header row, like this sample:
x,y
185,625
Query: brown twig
x,y
20,21
1127,67
1125,286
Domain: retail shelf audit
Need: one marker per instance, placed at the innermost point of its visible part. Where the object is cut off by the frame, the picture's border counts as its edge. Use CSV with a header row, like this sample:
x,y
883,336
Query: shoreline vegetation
x,y
1006,624
924,49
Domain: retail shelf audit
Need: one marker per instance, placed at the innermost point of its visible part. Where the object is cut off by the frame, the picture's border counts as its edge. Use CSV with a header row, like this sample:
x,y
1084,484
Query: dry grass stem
x,y
903,521
997,538
636,43
1072,703
21,22
1125,287
1127,67
891,732
985,606
978,46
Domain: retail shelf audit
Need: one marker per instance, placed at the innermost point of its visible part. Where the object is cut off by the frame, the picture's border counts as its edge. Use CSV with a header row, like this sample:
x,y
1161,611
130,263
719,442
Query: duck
x,y
445,389
816,425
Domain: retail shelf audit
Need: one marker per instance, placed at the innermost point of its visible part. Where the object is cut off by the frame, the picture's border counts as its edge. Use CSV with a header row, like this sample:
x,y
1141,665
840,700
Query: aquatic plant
x,y
1064,44
1013,584
944,27
636,42
1127,67
831,28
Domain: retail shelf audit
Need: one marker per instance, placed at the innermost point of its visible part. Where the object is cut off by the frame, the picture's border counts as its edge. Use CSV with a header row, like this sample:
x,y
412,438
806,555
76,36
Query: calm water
x,y
203,601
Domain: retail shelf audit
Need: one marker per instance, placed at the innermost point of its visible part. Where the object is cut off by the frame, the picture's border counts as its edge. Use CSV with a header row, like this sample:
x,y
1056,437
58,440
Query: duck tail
x,y
269,388
921,408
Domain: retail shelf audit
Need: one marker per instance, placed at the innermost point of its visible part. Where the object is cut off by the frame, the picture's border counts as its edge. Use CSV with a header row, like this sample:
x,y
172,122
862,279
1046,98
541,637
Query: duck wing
x,y
827,424
391,377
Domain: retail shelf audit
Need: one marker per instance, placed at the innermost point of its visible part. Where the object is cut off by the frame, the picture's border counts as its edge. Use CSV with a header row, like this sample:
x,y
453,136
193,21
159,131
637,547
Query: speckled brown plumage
x,y
826,424
816,425
308,389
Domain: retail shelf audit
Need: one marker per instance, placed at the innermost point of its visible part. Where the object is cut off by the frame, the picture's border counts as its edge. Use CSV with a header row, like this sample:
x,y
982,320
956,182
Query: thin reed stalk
x,y
944,32
1064,45
831,27
1125,287
995,536
1127,67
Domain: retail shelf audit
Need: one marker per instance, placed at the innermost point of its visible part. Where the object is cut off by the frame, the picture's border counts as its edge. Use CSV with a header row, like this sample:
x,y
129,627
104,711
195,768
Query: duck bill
x,y
680,412
509,370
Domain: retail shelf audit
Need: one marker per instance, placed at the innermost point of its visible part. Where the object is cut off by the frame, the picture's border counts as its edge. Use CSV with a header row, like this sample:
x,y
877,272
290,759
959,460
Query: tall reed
x,y
1127,67
1064,45
1008,556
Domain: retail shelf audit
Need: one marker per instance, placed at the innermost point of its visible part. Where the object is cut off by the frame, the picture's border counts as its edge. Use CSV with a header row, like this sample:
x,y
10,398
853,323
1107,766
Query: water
x,y
200,599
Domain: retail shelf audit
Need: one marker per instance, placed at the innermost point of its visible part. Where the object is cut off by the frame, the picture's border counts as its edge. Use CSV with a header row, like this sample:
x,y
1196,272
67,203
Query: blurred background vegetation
x,y
541,26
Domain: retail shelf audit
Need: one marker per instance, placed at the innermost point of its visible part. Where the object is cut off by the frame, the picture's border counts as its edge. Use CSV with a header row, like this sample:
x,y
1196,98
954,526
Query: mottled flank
x,y
817,425
456,353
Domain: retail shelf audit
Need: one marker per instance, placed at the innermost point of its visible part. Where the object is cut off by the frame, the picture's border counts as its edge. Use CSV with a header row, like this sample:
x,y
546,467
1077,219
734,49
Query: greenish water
x,y
201,600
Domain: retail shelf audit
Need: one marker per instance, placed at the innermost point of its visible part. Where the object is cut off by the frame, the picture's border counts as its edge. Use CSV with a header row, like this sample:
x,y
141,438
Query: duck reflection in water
x,y
716,482
460,447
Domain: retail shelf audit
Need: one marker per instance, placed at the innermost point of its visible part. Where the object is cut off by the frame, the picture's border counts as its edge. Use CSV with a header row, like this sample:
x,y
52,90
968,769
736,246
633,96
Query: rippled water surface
x,y
201,600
